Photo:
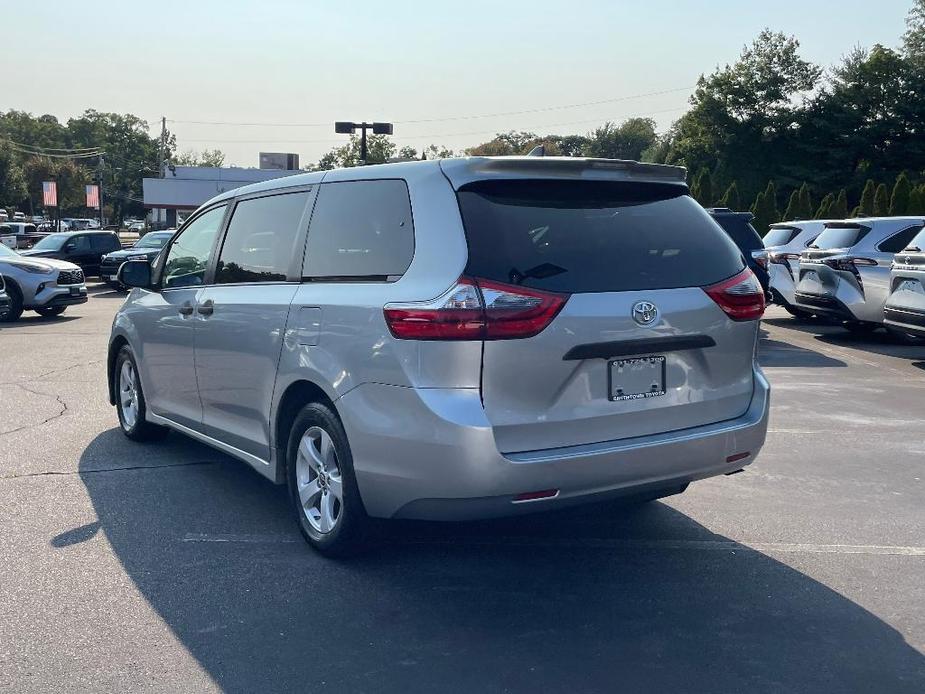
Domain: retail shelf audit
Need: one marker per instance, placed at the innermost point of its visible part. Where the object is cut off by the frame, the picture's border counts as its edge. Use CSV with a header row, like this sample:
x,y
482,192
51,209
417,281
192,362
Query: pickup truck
x,y
23,234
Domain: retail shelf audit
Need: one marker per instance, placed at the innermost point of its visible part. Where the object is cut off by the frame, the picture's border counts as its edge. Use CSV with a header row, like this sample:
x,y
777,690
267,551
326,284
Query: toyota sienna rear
x,y
450,340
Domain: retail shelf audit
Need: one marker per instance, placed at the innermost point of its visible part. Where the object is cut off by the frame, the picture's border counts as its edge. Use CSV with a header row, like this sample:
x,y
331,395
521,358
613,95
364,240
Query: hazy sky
x,y
316,62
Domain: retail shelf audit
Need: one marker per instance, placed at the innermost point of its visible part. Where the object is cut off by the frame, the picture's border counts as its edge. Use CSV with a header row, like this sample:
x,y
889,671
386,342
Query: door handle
x,y
186,309
206,308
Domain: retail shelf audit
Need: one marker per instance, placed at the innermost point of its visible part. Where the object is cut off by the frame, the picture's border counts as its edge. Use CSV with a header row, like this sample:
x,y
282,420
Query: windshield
x,y
52,242
152,241
839,237
780,236
7,252
584,236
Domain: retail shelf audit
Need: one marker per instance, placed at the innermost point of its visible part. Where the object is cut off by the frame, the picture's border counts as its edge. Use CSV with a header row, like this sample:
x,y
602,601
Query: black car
x,y
739,228
83,248
148,247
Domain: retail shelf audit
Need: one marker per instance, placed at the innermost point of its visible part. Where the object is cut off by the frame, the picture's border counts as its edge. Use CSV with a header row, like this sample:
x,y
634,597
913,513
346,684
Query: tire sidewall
x,y
126,355
348,534
16,308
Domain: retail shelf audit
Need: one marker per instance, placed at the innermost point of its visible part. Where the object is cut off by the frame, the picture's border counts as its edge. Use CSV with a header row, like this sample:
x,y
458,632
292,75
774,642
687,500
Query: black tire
x,y
15,310
140,429
350,530
51,311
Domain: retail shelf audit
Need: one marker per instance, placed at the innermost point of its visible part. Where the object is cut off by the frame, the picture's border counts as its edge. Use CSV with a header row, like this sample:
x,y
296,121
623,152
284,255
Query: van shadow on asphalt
x,y
596,599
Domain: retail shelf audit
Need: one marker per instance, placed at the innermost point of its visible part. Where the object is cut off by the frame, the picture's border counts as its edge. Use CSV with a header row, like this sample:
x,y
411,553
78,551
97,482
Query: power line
x,y
448,118
51,149
428,136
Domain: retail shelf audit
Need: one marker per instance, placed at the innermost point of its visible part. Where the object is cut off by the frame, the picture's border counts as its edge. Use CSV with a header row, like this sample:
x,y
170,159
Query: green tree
x,y
839,208
379,149
806,202
917,201
702,190
626,141
765,209
794,207
731,198
866,205
914,38
207,157
881,201
899,200
825,207
12,181
503,145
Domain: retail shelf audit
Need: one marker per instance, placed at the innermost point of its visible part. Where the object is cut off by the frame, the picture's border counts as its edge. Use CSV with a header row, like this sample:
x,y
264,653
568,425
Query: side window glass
x,y
79,244
360,229
189,255
899,241
261,238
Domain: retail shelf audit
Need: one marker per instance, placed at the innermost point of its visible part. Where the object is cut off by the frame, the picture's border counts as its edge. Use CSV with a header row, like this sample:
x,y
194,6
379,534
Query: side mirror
x,y
70,246
135,273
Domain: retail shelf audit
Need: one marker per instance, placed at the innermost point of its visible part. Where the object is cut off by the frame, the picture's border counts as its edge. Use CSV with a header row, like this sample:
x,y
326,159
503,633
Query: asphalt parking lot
x,y
169,567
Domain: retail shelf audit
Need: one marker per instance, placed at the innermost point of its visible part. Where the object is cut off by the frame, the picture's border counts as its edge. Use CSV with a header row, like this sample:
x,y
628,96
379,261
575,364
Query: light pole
x,y
348,128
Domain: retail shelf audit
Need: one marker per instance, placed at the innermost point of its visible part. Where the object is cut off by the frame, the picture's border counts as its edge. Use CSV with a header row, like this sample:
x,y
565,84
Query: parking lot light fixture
x,y
349,127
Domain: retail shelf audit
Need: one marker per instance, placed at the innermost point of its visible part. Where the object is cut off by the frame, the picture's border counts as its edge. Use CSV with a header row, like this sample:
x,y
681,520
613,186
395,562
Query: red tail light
x,y
475,309
761,257
740,297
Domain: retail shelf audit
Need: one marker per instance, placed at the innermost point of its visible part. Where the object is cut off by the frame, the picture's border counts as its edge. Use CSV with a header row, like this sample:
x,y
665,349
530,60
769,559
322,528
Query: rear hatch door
x,y
639,348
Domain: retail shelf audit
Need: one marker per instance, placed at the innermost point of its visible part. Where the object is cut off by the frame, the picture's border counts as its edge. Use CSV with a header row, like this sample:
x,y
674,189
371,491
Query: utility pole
x,y
162,150
100,190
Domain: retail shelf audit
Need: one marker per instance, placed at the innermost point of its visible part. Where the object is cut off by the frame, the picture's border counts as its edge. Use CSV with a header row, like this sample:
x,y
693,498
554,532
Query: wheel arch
x,y
296,395
115,346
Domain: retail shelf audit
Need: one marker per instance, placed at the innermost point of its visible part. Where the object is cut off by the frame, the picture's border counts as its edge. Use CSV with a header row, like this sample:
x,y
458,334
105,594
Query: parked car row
x,y
864,273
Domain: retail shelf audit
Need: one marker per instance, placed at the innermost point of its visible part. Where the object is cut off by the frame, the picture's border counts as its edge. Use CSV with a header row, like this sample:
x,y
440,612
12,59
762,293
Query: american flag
x,y
93,196
50,193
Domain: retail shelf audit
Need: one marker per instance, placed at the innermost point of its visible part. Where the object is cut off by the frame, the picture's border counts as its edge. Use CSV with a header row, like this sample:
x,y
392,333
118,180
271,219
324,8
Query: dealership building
x,y
184,188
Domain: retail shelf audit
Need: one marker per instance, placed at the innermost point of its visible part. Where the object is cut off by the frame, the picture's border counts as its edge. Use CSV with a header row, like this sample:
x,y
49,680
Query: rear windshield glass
x,y
590,236
780,236
918,242
839,237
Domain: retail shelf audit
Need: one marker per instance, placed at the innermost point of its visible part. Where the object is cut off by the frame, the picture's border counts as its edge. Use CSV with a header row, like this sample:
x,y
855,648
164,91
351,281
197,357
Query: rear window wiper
x,y
914,249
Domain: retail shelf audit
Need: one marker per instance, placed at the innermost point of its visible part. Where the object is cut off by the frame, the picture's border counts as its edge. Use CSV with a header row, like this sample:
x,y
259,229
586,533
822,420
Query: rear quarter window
x,y
780,236
591,236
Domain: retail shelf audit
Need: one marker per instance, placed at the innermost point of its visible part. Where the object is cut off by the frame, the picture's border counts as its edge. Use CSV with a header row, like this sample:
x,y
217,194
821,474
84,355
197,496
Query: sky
x,y
432,67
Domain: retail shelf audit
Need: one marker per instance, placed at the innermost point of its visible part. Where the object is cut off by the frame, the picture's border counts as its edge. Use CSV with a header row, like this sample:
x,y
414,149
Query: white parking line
x,y
601,543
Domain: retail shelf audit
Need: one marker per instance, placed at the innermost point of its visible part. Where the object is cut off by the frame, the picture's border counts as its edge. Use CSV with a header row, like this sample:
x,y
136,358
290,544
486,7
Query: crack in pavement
x,y
51,473
51,373
61,413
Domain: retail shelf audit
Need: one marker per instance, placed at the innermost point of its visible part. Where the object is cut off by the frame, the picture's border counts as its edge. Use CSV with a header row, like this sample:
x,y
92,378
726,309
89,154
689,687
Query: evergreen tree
x,y
825,207
731,198
856,212
765,209
867,199
839,209
703,185
917,201
899,201
881,201
794,207
806,202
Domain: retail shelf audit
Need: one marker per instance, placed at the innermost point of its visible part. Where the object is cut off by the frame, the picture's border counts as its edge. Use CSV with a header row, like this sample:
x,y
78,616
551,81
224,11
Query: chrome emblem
x,y
645,313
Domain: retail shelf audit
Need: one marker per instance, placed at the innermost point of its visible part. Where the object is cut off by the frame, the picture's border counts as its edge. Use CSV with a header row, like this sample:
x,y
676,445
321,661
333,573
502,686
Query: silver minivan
x,y
450,340
845,272
904,311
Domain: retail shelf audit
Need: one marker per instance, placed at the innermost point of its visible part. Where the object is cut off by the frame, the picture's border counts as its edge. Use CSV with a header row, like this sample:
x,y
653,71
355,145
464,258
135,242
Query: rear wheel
x,y
51,311
130,401
322,486
15,304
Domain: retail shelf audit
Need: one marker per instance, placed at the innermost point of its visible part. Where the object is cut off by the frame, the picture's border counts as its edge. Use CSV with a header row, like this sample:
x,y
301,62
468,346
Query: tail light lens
x,y
849,264
740,297
475,309
761,257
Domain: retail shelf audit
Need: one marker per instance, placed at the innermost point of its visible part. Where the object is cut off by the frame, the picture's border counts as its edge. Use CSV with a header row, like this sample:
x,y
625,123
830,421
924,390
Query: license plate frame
x,y
627,378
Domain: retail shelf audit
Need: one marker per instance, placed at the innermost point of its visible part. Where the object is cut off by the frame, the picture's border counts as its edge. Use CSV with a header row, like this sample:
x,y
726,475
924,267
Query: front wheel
x,y
130,400
51,311
15,310
322,487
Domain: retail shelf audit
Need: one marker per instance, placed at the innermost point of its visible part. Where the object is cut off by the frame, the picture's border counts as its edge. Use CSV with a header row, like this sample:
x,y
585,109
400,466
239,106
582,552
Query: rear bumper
x,y
906,319
843,302
431,454
782,285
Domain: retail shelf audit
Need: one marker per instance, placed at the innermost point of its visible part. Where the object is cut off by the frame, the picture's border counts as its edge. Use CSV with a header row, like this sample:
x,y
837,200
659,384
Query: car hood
x,y
46,262
133,252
